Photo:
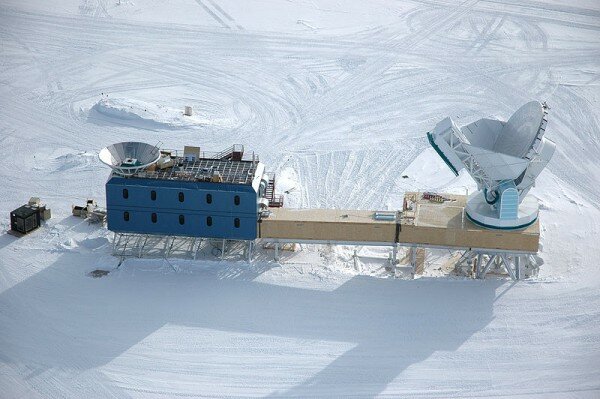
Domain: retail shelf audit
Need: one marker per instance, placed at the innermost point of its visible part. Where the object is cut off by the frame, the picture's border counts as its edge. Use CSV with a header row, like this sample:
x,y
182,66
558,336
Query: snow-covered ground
x,y
336,97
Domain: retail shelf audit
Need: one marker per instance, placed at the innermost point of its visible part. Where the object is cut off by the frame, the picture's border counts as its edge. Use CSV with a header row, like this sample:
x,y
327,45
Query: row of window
x,y
154,219
236,199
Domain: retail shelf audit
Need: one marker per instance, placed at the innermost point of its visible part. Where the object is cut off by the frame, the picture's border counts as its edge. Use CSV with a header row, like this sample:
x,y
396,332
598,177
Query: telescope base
x,y
484,215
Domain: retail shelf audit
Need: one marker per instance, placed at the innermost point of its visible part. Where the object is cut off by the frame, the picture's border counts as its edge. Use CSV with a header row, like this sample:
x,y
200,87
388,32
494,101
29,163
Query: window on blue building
x,y
209,198
126,216
125,193
181,219
209,221
153,195
236,222
236,200
154,218
181,197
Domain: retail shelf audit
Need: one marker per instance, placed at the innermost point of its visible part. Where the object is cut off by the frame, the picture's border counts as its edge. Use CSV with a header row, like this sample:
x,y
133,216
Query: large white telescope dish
x,y
519,134
129,157
504,159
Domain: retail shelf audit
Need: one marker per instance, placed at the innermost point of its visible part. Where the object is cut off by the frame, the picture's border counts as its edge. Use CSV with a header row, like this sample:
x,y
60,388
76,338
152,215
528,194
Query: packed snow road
x,y
336,97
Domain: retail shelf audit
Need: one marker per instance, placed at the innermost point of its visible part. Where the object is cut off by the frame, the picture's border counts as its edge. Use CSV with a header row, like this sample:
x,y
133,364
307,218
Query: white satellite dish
x,y
128,158
504,159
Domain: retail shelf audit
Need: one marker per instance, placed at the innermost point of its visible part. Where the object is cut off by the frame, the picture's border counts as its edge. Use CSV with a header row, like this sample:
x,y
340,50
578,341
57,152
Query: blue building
x,y
205,195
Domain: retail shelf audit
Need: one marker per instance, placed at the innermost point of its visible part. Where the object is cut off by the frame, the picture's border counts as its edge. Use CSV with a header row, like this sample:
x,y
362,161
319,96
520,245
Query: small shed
x,y
191,153
25,219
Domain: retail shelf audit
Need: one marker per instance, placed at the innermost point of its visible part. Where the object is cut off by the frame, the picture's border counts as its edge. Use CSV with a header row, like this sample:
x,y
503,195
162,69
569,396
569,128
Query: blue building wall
x,y
179,201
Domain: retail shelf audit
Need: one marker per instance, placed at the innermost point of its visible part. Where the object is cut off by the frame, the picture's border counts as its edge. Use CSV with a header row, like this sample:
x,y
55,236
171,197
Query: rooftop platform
x,y
427,222
229,166
439,222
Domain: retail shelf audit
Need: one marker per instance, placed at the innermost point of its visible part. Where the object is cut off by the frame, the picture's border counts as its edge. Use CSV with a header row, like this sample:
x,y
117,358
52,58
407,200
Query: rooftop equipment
x,y
91,211
504,159
191,153
128,158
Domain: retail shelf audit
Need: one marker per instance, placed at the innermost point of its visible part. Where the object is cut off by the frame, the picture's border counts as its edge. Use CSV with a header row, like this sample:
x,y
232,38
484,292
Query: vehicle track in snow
x,y
282,106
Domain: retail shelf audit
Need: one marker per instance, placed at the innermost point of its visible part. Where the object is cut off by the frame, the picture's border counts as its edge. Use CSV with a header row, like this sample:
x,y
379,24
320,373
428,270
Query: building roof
x,y
437,222
25,211
445,224
344,216
204,169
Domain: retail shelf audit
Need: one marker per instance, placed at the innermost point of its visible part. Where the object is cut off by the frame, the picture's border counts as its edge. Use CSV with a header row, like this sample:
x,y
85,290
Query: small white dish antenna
x,y
504,159
130,157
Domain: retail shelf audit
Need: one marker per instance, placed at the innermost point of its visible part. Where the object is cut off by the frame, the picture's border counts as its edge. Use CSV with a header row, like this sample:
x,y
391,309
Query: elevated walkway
x,y
426,221
423,222
327,226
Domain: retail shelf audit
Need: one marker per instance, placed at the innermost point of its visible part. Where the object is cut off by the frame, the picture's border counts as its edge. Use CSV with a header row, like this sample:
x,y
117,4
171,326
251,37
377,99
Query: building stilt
x,y
513,263
249,251
412,253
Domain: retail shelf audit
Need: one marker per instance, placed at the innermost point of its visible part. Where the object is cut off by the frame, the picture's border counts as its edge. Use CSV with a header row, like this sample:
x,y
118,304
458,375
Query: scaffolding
x,y
129,245
478,264
427,221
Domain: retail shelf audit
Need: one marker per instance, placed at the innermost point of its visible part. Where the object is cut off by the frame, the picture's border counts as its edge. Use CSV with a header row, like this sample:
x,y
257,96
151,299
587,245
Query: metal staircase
x,y
275,201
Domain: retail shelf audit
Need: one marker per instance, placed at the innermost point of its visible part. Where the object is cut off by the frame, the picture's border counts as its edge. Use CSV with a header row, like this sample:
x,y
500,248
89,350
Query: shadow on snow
x,y
85,323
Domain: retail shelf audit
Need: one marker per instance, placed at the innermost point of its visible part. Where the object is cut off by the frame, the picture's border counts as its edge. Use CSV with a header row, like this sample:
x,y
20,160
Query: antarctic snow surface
x,y
336,97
